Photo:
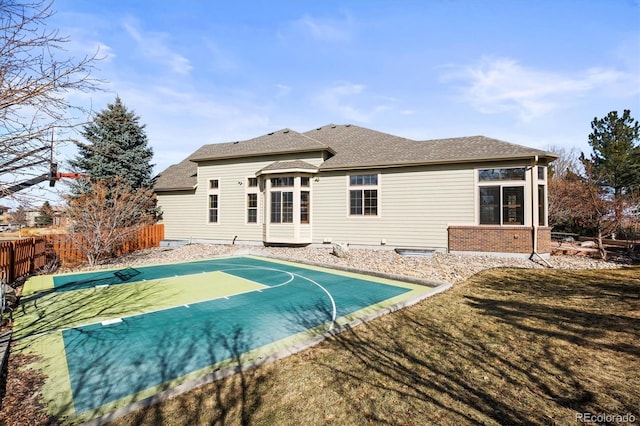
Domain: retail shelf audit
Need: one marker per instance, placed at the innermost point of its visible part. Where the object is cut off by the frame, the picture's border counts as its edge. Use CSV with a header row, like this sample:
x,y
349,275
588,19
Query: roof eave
x,y
182,188
435,162
286,170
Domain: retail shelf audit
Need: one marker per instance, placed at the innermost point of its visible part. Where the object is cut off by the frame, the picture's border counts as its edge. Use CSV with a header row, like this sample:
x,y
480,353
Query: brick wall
x,y
498,239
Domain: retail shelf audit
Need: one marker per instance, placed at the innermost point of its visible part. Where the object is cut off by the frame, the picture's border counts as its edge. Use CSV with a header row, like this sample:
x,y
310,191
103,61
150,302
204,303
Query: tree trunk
x,y
601,250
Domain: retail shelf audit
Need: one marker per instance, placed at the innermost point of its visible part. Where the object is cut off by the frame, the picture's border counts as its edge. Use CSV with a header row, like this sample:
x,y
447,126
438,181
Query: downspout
x,y
534,223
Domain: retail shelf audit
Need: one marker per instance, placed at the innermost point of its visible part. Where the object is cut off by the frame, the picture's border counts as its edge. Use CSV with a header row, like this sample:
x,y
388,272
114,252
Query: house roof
x,y
181,176
358,147
282,141
297,165
349,147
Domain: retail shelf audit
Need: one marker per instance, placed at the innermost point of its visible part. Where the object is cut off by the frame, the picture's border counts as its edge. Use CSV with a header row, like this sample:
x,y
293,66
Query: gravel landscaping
x,y
440,267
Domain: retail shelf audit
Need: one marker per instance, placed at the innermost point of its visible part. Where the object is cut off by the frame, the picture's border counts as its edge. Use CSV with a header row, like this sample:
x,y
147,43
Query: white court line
x,y
235,267
333,302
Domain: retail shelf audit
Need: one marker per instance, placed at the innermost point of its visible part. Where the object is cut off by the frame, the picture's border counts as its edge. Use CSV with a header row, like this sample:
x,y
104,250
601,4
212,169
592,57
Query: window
x,y
363,195
213,208
252,208
490,205
508,200
502,203
281,182
513,205
281,207
304,207
361,180
214,200
501,174
304,181
540,173
252,200
541,205
282,201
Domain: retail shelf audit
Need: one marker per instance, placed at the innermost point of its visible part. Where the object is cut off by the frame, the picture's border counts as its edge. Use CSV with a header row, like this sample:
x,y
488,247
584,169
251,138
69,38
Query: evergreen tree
x,y
614,164
615,160
117,148
45,218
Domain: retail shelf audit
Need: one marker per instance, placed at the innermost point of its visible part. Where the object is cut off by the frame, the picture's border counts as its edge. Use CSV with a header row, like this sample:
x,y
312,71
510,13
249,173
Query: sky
x,y
531,72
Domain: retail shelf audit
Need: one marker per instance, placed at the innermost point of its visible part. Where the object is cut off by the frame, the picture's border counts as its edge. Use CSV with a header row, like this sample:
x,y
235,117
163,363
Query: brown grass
x,y
505,347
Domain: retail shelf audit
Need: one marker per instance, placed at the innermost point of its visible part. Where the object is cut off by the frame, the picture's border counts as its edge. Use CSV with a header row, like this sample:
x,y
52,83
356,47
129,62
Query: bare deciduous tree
x,y
107,215
36,78
19,217
581,199
568,161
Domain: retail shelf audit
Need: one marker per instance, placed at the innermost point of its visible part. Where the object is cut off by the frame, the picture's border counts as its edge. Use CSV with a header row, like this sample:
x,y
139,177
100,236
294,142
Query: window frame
x,y
213,209
363,188
213,192
542,194
502,206
542,204
252,188
283,212
252,209
305,207
502,180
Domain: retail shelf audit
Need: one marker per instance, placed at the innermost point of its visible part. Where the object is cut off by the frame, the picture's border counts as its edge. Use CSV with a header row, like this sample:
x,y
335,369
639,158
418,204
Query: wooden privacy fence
x,y
21,257
24,256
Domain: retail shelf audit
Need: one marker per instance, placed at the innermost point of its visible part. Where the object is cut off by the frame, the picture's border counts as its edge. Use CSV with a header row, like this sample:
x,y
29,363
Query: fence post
x,y
12,262
32,257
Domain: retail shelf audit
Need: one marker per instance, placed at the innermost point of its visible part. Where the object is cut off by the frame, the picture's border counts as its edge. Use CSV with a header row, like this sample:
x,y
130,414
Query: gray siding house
x,y
349,184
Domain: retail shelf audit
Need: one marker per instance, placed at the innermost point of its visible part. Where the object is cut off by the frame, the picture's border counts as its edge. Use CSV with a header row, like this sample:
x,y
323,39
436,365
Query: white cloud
x,y
154,46
336,30
325,30
502,85
340,99
350,101
283,90
220,58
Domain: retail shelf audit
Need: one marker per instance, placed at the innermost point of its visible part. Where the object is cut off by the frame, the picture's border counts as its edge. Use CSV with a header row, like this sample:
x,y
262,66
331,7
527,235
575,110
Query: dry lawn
x,y
505,347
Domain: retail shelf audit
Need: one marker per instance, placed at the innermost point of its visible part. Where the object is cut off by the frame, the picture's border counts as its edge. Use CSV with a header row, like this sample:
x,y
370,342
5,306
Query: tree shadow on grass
x,y
593,309
51,311
476,359
232,395
105,368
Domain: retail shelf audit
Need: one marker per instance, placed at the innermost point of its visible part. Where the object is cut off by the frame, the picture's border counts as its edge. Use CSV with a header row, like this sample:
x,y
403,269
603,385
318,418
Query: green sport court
x,y
112,338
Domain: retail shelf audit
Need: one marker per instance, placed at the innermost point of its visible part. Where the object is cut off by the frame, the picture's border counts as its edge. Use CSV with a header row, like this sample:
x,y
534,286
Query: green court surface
x,y
108,339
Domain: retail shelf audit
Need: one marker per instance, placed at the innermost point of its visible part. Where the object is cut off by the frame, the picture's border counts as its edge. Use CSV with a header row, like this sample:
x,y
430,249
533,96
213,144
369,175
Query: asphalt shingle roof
x,y
181,176
358,147
288,165
350,147
285,140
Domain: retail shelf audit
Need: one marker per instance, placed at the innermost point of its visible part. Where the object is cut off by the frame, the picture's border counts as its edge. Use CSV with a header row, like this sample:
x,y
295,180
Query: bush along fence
x,y
25,256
